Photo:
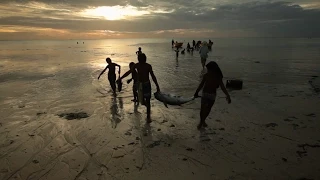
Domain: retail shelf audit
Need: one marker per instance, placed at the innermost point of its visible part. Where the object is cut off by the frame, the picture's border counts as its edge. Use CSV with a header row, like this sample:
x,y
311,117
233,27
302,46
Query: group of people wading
x,y
202,47
141,88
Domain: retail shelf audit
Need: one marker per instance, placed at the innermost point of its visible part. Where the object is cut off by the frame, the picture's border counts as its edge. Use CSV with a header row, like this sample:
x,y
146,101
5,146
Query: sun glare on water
x,y
114,12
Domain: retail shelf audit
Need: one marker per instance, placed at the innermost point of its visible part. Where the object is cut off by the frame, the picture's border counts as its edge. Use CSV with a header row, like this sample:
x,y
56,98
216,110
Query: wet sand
x,y
263,134
67,125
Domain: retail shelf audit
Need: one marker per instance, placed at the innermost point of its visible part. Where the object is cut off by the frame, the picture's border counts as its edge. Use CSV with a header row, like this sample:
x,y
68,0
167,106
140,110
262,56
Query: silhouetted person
x,y
182,52
177,52
172,43
188,46
204,53
77,42
134,77
144,70
193,43
139,51
111,74
210,44
198,45
210,82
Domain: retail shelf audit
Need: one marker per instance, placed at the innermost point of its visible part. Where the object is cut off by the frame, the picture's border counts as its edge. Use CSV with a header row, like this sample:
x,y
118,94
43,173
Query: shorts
x,y
208,99
203,60
145,89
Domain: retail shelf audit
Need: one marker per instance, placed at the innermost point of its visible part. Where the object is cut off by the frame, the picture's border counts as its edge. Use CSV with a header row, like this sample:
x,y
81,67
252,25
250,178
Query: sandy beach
x,y
57,121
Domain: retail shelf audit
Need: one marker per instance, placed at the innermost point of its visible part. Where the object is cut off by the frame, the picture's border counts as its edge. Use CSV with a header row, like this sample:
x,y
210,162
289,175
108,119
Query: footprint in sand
x,y
311,115
189,149
40,113
127,133
72,116
295,126
288,120
271,125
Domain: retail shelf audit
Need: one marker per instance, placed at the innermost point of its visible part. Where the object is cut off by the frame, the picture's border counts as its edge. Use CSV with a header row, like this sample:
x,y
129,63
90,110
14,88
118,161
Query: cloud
x,y
70,3
165,18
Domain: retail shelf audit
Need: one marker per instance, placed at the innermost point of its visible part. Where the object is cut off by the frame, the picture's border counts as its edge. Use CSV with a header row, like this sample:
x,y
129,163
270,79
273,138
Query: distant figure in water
x,y
134,77
188,46
210,44
177,52
82,42
77,42
111,74
144,91
139,51
172,43
204,50
193,43
210,82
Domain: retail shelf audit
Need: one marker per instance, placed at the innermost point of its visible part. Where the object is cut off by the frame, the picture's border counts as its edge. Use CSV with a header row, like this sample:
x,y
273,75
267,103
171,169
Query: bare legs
x,y
204,113
135,95
112,81
147,104
203,62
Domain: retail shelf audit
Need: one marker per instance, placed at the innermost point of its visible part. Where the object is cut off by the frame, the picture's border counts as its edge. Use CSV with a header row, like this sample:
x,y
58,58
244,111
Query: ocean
x,y
66,65
58,121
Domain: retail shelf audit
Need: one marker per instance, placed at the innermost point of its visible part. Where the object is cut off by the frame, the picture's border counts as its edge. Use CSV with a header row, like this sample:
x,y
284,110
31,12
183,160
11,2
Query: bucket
x,y
234,84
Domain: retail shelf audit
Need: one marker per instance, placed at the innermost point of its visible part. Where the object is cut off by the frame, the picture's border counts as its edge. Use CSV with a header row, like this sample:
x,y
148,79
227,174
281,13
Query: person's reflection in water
x,y
204,135
116,111
146,131
136,117
120,103
177,63
135,108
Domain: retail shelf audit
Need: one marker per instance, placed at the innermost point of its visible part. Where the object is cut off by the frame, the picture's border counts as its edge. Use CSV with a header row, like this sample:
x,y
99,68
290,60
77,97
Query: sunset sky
x,y
97,19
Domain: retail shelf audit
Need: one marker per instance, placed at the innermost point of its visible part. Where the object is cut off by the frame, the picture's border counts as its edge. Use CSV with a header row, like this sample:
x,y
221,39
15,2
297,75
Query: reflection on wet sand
x,y
177,62
116,111
146,130
135,108
137,117
204,135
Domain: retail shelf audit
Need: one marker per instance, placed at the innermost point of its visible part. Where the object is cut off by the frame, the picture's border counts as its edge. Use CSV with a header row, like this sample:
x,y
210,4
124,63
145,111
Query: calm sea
x,y
58,69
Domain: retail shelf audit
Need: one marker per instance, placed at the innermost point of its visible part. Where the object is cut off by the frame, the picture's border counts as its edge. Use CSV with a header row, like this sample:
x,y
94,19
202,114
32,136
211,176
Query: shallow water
x,y
66,65
64,72
40,80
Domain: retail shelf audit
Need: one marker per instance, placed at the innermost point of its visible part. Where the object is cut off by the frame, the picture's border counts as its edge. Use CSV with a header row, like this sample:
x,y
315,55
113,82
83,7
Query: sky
x,y
102,19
